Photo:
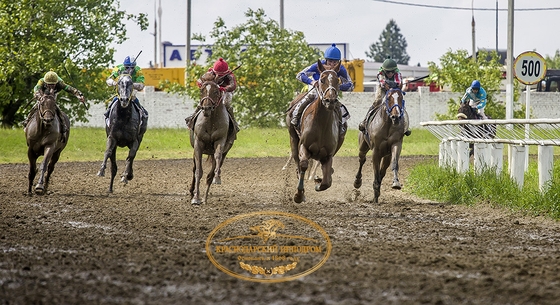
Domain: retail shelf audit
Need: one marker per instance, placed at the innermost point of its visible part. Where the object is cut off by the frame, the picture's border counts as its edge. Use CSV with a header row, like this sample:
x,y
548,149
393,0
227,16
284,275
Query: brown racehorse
x,y
488,131
384,136
212,134
320,136
125,128
44,138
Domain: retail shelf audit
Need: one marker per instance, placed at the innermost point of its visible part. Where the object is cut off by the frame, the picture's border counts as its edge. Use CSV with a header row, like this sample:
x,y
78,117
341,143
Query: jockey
x,y
310,76
389,77
223,77
475,95
52,81
127,67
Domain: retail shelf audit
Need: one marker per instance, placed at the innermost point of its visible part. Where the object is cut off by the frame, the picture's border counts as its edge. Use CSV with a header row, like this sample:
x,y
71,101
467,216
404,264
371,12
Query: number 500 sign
x,y
529,68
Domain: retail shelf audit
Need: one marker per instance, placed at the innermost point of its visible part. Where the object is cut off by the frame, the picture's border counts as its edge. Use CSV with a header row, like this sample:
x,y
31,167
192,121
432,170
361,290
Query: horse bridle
x,y
212,101
40,107
118,93
330,87
388,108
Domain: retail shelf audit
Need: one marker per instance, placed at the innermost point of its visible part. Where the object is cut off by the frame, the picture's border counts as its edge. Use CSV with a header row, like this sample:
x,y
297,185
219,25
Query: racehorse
x,y
44,138
485,131
384,136
124,127
212,134
320,135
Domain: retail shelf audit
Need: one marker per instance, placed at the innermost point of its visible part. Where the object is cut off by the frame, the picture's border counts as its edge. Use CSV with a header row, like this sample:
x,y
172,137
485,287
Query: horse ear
x,y
337,66
320,66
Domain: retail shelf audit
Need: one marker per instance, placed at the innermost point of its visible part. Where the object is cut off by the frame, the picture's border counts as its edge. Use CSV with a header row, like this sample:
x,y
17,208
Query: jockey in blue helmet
x,y
310,76
475,95
128,67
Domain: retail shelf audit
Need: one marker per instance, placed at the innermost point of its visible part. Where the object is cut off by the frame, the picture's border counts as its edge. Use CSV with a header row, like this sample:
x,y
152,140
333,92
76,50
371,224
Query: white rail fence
x,y
519,134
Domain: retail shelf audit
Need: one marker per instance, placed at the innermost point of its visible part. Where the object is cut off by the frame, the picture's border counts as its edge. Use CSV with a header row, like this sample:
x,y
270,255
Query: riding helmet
x,y
475,84
332,53
389,65
221,67
51,78
128,62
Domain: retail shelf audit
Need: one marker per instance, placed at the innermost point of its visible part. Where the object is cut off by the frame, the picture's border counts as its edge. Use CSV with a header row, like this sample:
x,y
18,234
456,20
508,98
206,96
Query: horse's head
x,y
124,89
328,84
394,104
466,112
47,107
210,97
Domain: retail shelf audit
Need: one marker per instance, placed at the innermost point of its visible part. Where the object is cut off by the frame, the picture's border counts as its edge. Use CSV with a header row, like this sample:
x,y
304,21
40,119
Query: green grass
x,y
88,144
428,180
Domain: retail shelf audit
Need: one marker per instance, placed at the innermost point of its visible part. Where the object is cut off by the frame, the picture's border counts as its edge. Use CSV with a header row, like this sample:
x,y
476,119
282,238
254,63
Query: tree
x,y
553,62
391,44
268,58
71,37
457,70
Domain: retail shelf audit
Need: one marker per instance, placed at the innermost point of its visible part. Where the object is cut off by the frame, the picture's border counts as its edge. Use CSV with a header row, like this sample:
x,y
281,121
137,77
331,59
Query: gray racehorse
x,y
44,139
125,128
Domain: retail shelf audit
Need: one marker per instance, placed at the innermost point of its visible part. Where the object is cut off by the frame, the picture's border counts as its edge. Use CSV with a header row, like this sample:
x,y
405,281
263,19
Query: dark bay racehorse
x,y
125,127
384,136
320,136
44,138
485,131
213,135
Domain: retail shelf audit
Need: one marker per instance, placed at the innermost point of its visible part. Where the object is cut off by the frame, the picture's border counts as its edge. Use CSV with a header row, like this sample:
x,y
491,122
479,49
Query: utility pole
x,y
159,37
155,37
281,14
188,44
473,33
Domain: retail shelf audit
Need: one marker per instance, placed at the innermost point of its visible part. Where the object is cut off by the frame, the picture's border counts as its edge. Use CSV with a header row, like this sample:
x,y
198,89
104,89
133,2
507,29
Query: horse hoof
x,y
196,201
123,180
217,180
357,183
396,185
39,191
321,187
101,174
299,198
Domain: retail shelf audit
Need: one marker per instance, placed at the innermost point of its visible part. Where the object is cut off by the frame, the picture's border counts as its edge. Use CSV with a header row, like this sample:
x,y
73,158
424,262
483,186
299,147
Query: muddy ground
x,y
145,243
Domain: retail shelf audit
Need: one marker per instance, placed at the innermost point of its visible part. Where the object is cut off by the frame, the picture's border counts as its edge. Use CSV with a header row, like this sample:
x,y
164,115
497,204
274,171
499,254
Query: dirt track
x,y
144,244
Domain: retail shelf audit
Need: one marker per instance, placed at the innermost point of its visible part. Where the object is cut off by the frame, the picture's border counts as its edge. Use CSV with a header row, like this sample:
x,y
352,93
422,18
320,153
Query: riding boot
x,y
106,114
31,113
143,110
230,111
63,127
300,106
362,125
189,119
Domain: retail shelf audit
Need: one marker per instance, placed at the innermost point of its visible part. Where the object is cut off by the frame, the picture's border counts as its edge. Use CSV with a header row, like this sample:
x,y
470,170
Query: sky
x,y
431,27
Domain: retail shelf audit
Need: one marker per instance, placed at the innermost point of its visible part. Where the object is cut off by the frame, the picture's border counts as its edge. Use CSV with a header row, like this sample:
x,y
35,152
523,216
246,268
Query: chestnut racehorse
x,y
212,134
320,135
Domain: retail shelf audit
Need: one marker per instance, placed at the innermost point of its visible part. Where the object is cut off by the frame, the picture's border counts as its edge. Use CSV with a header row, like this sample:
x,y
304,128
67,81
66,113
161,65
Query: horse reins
x,y
330,87
388,108
214,103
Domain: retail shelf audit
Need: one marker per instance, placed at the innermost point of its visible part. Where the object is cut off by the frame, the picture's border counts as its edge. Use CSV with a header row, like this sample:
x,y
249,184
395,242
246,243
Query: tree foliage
x,y
553,62
391,44
457,70
268,58
71,37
